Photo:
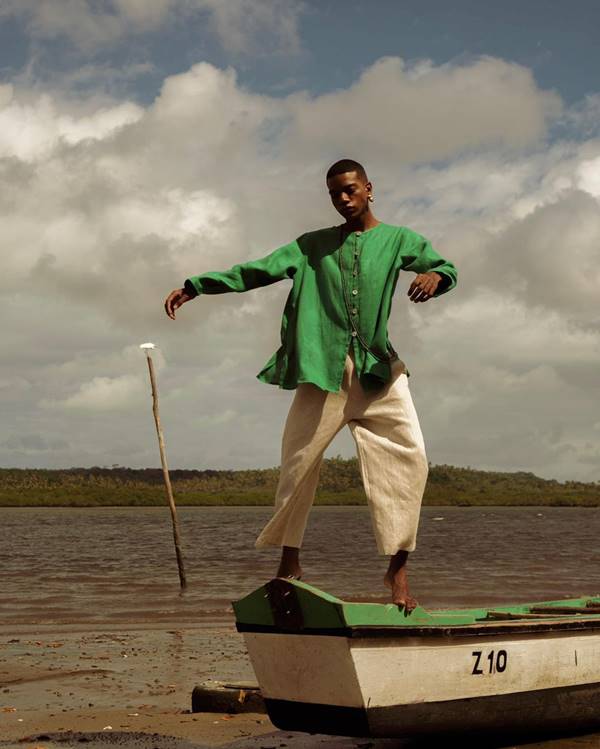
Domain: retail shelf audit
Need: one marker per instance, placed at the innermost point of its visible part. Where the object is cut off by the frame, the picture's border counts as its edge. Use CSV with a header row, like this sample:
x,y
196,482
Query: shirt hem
x,y
285,386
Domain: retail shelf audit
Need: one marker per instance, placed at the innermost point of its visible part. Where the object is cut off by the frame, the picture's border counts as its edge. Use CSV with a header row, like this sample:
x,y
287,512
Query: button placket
x,y
354,310
355,263
352,274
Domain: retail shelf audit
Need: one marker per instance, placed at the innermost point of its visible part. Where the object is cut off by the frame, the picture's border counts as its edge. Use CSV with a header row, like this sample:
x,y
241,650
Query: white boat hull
x,y
403,686
325,665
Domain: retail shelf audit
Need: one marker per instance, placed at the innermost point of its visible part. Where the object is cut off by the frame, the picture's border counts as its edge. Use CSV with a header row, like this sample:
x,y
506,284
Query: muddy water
x,y
117,565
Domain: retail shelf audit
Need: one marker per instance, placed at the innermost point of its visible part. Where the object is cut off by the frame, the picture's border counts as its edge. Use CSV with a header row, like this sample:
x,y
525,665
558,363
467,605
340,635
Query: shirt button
x,y
354,310
355,291
353,333
358,233
355,273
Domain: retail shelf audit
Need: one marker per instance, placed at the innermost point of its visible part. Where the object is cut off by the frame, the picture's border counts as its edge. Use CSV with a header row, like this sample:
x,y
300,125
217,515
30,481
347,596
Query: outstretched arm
x,y
435,275
279,264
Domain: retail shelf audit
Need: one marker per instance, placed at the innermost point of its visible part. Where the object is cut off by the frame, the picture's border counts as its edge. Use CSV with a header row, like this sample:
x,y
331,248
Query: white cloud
x,y
31,129
400,117
104,394
145,15
550,257
84,22
256,27
74,19
588,176
112,205
99,78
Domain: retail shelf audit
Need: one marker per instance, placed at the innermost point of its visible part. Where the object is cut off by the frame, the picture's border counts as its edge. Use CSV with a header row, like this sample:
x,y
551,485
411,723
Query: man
x,y
336,353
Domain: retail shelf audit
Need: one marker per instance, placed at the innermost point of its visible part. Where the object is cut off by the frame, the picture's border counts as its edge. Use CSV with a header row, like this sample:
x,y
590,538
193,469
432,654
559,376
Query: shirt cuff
x,y
189,288
445,282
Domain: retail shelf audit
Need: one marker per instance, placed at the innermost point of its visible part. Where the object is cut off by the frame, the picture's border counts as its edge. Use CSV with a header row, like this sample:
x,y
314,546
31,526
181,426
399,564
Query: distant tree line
x,y
340,484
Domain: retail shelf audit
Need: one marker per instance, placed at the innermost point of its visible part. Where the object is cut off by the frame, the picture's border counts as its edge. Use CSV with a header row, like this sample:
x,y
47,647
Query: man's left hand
x,y
424,286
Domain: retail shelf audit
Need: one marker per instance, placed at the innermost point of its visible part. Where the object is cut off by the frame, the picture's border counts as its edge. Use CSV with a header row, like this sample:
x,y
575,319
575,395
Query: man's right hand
x,y
174,301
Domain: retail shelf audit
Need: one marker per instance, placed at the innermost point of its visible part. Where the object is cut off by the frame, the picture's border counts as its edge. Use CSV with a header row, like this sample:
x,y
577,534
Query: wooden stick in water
x,y
147,348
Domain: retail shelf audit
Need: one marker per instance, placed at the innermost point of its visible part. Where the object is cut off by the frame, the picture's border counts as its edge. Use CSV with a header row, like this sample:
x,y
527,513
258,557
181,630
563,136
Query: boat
x,y
330,666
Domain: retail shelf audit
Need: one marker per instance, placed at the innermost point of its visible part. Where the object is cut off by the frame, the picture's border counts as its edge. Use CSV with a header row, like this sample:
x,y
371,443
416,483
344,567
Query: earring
x,y
371,198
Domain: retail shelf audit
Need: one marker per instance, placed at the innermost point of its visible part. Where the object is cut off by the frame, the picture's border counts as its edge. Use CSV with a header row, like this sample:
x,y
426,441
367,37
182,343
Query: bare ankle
x,y
289,566
397,562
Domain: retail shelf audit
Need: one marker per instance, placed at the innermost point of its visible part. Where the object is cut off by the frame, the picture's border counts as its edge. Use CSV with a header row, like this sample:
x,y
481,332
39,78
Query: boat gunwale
x,y
291,606
494,629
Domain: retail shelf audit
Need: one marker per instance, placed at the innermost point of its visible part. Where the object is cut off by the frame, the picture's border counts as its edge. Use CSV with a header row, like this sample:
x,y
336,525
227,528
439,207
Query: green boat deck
x,y
284,605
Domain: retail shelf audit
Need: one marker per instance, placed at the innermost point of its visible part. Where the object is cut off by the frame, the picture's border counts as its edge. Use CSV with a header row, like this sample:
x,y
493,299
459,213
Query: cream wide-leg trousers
x,y
391,457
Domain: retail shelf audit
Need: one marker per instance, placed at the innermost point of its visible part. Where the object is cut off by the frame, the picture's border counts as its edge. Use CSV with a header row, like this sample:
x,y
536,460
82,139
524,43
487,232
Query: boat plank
x,y
499,615
565,610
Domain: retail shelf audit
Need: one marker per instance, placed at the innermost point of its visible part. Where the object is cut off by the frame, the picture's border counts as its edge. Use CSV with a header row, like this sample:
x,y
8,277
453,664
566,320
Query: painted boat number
x,y
496,662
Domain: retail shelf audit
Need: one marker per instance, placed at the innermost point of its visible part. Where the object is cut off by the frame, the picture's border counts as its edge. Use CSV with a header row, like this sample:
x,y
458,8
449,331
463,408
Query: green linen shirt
x,y
341,295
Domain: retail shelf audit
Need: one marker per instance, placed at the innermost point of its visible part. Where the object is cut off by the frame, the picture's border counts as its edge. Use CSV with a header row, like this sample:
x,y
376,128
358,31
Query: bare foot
x,y
396,578
290,563
294,574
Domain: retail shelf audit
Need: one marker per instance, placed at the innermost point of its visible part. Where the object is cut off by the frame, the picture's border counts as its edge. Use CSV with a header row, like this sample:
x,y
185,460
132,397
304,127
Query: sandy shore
x,y
132,687
137,680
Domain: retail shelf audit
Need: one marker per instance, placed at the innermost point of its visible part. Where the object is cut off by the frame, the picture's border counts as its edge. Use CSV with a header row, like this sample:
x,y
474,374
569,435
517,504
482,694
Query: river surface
x,y
117,565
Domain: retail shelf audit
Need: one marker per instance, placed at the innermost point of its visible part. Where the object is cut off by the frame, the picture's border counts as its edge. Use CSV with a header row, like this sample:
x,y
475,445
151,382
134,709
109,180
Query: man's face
x,y
349,194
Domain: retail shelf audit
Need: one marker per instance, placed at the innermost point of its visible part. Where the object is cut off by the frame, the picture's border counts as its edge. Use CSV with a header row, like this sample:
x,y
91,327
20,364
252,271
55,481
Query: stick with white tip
x,y
147,348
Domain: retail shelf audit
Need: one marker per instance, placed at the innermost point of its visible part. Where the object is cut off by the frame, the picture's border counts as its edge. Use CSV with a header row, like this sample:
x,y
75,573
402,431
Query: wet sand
x,y
56,680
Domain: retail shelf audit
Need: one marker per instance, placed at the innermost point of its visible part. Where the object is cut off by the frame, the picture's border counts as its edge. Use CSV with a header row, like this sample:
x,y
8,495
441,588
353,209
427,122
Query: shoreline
x,y
267,504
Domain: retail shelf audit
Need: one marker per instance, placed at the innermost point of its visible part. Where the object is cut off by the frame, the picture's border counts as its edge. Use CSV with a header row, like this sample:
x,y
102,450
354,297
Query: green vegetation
x,y
340,485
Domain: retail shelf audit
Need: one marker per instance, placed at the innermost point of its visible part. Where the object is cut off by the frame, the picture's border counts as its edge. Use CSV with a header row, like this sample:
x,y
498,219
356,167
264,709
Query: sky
x,y
144,142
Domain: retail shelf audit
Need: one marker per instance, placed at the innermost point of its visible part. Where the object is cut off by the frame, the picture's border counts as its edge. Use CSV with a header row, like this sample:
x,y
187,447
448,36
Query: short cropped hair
x,y
347,165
